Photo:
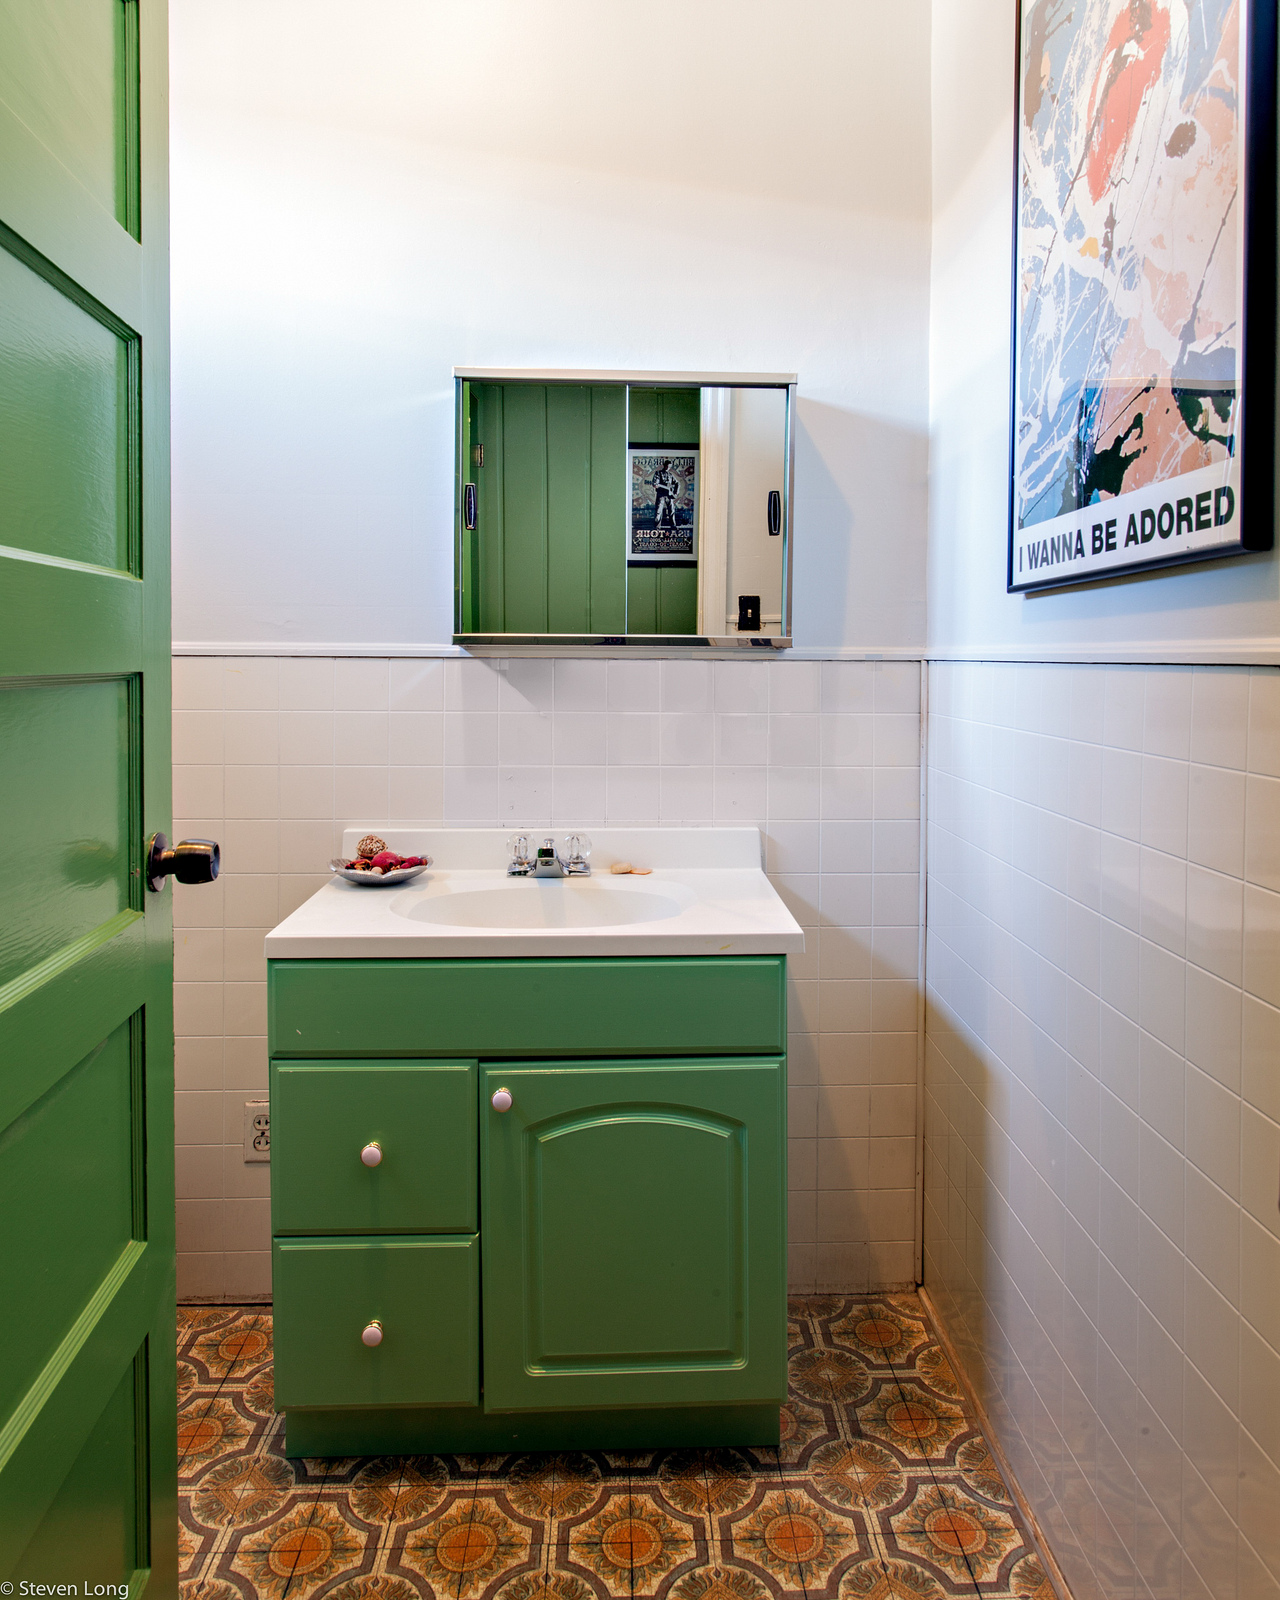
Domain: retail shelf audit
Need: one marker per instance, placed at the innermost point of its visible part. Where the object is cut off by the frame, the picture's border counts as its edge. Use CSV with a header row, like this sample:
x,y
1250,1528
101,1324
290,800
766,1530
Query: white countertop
x,y
706,884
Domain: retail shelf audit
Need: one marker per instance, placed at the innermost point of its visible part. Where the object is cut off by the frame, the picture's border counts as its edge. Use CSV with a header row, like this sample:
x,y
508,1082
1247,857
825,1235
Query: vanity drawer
x,y
591,1006
422,1115
424,1293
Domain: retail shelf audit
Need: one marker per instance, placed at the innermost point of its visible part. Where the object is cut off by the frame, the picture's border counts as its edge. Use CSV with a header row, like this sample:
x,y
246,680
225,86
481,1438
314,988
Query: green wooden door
x,y
633,1226
87,1405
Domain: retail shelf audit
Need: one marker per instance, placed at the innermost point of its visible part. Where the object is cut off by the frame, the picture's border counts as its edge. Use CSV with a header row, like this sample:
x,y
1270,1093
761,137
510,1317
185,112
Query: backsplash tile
x,y
276,756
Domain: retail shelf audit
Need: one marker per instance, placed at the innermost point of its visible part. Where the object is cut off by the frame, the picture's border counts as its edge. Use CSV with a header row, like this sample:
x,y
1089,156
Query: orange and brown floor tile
x,y
882,1489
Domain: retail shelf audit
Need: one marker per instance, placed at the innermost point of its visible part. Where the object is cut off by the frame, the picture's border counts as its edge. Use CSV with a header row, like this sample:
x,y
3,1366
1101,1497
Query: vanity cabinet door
x,y
634,1226
420,1119
418,1296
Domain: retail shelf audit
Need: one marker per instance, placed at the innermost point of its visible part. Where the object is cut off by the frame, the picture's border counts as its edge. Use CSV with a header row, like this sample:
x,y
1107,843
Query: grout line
x,y
922,947
983,1422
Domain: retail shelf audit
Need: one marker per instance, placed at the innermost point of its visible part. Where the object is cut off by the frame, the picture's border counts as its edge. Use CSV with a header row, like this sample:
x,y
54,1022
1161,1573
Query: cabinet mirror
x,y
646,508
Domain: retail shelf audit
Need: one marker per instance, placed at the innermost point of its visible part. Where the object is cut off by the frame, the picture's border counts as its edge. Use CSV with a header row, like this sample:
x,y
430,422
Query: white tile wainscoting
x,y
273,756
1102,1236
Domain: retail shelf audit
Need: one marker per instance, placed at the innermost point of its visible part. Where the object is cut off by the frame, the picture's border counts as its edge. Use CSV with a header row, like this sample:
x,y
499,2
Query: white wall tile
x,y
415,685
306,683
685,686
579,738
1180,1229
580,686
251,683
1216,818
1220,716
197,737
198,683
633,685
279,756
306,738
1264,722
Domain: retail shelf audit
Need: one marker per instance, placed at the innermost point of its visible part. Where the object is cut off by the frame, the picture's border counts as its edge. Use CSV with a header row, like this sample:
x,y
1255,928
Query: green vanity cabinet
x,y
593,1258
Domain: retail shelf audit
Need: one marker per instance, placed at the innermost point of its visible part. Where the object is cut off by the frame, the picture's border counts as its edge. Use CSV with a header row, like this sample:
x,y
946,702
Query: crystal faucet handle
x,y
577,854
372,1334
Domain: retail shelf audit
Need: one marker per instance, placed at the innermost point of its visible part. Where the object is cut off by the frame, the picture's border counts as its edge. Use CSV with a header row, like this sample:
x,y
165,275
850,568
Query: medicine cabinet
x,y
644,508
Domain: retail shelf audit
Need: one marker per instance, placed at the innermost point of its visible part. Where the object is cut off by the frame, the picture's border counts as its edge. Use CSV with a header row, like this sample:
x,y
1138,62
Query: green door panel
x,y
93,1524
423,1115
74,785
634,1225
705,1005
69,451
67,1170
87,1442
102,612
69,69
424,1292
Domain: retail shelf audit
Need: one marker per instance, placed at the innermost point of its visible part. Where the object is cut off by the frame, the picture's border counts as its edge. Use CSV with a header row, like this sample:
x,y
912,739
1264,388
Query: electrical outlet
x,y
257,1130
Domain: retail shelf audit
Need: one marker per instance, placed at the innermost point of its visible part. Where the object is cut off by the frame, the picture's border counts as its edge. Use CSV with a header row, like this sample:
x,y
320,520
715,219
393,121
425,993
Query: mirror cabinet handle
x,y
469,507
775,512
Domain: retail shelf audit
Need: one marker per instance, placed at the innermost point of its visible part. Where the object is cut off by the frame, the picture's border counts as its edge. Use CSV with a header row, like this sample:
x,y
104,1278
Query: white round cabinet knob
x,y
372,1335
501,1100
371,1155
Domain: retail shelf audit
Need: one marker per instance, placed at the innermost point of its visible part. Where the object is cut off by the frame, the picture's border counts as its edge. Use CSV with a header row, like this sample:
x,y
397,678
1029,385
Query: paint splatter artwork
x,y
1128,367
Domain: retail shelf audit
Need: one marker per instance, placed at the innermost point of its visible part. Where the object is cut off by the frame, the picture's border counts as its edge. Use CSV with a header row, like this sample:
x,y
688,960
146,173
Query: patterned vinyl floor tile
x,y
882,1489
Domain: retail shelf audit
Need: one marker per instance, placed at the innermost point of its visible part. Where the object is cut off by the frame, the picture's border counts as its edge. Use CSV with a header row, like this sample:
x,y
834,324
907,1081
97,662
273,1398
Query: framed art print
x,y
662,526
1144,351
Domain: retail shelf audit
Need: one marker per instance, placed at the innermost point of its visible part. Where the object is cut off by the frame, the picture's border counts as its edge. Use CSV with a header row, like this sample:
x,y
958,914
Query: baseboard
x,y
1036,1534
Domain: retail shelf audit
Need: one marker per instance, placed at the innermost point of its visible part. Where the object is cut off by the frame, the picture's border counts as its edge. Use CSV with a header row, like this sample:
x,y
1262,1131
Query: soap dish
x,y
372,880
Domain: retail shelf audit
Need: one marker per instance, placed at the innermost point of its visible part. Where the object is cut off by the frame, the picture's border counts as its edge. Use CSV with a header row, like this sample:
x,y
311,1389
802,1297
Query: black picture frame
x,y
1222,508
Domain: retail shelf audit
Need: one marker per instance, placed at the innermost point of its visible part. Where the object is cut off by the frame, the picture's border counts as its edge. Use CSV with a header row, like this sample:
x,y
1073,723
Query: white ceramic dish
x,y
373,880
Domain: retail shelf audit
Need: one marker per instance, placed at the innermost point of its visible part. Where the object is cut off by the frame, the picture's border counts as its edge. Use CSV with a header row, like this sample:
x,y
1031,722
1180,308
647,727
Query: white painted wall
x,y
364,197
1223,611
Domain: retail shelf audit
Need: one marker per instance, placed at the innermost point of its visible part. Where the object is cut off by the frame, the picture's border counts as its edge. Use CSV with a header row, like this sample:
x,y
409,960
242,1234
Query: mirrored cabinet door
x,y
611,508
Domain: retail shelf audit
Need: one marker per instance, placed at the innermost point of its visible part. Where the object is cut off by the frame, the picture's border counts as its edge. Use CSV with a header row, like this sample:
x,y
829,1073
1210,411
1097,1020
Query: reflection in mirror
x,y
610,508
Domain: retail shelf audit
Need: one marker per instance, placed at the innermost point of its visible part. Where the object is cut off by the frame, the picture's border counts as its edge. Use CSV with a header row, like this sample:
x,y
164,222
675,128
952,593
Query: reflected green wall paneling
x,y
663,599
548,553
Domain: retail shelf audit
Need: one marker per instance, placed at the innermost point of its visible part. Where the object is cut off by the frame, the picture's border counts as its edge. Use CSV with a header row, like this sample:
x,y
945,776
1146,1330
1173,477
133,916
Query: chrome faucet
x,y
546,861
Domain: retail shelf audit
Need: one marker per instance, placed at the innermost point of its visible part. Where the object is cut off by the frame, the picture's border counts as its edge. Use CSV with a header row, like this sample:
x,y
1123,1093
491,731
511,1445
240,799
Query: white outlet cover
x,y
257,1130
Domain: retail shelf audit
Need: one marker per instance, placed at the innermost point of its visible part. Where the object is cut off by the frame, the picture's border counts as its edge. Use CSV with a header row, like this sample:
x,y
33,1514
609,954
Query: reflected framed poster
x,y
1144,350
662,526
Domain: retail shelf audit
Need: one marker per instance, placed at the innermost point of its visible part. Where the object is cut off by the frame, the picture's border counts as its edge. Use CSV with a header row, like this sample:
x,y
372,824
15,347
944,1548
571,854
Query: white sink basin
x,y
547,903
706,896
